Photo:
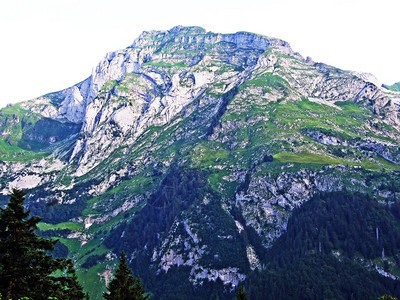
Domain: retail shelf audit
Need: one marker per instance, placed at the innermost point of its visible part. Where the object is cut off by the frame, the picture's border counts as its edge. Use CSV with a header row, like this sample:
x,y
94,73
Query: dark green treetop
x,y
124,285
26,267
241,294
387,297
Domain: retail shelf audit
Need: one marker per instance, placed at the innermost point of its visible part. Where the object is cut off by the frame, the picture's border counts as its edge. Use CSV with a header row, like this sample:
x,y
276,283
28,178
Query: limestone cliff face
x,y
155,97
264,128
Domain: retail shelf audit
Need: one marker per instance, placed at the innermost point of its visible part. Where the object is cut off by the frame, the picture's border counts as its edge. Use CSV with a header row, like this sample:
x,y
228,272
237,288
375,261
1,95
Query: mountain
x,y
394,87
214,159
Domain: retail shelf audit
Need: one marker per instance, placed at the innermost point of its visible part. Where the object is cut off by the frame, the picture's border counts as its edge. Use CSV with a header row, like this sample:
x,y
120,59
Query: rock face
x,y
261,127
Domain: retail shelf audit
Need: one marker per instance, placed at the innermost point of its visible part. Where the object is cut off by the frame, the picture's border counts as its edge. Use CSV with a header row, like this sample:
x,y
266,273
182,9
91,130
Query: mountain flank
x,y
213,160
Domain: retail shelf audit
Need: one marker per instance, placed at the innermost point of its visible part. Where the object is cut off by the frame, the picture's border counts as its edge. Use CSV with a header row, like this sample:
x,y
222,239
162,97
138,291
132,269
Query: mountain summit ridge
x,y
78,105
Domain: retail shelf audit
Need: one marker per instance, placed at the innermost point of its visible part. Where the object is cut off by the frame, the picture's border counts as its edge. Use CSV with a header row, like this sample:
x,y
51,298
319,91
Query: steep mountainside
x,y
189,150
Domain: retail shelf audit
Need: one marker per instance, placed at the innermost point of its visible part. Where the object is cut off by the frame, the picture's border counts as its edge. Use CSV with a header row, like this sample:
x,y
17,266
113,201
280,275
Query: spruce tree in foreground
x,y
26,268
124,285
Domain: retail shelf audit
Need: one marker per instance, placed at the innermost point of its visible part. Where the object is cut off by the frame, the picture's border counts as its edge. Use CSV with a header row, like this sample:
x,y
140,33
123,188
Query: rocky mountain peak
x,y
164,71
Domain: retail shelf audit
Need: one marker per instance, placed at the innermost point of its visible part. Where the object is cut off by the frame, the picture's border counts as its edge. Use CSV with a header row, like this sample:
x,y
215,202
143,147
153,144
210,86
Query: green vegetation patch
x,y
12,152
307,158
108,86
385,164
222,184
73,245
92,280
114,198
208,154
74,226
267,80
394,87
25,135
162,64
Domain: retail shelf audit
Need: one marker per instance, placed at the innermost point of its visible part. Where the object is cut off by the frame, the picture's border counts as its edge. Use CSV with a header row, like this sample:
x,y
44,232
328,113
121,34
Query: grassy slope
x,y
394,87
11,119
26,135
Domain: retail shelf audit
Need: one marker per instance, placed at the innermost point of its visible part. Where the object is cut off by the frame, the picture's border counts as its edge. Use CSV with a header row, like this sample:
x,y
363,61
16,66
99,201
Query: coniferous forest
x,y
325,253
29,271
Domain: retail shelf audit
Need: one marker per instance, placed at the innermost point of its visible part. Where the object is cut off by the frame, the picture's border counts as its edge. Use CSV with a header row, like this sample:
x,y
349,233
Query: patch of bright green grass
x,y
7,150
394,87
298,115
306,158
92,281
64,225
370,165
267,80
208,154
221,185
73,245
387,164
376,164
17,154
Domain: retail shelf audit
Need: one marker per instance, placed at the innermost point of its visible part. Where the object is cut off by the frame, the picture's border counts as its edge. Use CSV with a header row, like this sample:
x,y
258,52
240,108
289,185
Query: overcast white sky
x,y
48,45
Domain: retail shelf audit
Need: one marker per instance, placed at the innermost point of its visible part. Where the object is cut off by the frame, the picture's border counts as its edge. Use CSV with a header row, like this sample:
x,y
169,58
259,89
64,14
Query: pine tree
x,y
387,297
124,285
241,294
26,267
